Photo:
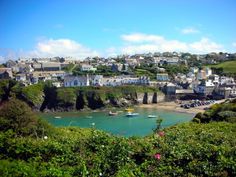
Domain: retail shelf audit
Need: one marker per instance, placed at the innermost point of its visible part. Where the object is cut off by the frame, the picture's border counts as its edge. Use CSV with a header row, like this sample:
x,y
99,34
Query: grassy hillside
x,y
229,67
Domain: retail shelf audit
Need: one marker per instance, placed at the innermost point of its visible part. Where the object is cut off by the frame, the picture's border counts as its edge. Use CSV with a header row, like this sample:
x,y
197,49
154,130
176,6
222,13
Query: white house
x,y
225,80
162,77
21,77
194,69
86,67
208,72
215,78
112,81
201,75
205,88
97,80
76,81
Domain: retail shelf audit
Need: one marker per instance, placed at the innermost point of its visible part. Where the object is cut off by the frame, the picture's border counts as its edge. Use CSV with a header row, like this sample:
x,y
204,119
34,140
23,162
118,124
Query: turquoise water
x,y
139,125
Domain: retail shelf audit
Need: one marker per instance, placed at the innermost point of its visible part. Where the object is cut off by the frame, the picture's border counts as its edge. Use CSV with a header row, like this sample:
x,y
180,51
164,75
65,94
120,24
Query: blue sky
x,y
82,28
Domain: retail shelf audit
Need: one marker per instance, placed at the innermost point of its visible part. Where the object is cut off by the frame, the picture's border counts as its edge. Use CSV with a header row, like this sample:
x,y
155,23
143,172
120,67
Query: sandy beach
x,y
173,106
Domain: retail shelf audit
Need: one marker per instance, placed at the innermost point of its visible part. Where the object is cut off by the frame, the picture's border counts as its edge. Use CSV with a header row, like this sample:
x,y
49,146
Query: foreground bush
x,y
17,116
188,149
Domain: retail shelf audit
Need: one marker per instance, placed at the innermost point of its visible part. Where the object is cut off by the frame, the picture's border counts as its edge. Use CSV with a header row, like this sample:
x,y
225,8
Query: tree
x,y
19,117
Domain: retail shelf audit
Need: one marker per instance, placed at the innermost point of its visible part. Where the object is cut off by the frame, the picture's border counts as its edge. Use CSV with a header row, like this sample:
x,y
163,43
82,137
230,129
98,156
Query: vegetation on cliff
x,y
45,96
219,112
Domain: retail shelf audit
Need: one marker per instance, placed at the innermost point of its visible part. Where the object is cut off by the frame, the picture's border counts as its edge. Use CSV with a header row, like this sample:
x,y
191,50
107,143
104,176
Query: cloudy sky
x,y
79,28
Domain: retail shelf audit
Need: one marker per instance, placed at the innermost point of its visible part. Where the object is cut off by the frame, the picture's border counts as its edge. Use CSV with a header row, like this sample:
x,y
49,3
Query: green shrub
x,y
18,116
34,94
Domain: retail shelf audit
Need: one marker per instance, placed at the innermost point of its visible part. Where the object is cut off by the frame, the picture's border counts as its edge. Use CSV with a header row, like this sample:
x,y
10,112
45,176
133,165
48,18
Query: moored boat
x,y
113,113
132,114
129,109
152,116
57,117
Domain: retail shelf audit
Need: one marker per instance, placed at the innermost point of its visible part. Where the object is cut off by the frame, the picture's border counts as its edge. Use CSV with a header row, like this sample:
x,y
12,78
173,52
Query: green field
x,y
229,67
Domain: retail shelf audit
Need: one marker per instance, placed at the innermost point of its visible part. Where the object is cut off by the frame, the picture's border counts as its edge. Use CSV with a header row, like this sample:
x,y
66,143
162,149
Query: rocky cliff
x,y
83,100
45,97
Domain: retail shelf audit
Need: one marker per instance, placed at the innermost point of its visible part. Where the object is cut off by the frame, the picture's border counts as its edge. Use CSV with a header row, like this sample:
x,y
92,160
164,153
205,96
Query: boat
x,y
57,117
152,116
113,113
132,114
129,109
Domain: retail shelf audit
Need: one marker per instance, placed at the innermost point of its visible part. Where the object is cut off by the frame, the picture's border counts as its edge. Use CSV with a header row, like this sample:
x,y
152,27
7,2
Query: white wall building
x,y
162,77
208,72
85,67
76,81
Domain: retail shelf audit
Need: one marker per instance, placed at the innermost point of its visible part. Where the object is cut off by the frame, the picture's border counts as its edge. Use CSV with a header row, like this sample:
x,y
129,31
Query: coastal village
x,y
195,81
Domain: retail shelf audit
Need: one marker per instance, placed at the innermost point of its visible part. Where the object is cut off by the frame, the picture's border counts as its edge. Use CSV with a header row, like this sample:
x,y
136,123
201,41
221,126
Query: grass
x,y
229,67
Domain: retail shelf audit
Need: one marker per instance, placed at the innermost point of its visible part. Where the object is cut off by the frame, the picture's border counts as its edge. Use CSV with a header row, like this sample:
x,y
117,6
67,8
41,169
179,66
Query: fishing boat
x,y
57,117
129,109
132,114
112,113
152,116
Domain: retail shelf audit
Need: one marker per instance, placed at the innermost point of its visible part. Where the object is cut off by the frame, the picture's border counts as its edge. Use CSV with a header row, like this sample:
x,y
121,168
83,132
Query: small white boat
x,y
57,117
152,116
113,113
132,114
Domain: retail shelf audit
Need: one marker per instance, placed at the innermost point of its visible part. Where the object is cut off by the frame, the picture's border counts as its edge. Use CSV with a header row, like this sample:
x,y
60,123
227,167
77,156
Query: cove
x,y
121,125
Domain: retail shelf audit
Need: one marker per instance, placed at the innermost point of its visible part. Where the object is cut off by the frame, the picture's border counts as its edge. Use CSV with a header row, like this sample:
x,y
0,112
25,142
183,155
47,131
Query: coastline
x,y
173,106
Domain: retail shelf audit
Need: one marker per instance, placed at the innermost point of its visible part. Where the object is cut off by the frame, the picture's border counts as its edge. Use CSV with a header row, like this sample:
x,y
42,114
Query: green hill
x,y
229,67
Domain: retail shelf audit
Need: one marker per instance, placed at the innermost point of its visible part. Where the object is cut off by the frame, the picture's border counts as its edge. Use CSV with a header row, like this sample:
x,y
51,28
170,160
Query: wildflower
x,y
157,156
161,133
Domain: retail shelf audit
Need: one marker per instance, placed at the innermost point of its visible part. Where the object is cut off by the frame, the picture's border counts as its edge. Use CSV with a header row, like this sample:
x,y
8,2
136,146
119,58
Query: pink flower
x,y
161,133
157,156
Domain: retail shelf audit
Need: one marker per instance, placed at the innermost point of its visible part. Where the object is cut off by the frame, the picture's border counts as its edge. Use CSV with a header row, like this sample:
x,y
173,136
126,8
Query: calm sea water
x,y
139,125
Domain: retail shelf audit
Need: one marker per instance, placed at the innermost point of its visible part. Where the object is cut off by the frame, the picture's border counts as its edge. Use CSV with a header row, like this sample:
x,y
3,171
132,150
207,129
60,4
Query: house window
x,y
75,82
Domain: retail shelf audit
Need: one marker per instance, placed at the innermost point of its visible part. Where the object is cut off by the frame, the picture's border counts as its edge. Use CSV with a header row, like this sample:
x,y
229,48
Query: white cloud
x,y
140,37
61,47
206,45
189,30
2,59
234,44
112,51
141,43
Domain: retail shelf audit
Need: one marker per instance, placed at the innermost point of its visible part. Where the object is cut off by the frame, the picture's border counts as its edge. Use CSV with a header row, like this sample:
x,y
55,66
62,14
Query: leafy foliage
x,y
5,88
33,94
218,112
175,69
17,116
187,149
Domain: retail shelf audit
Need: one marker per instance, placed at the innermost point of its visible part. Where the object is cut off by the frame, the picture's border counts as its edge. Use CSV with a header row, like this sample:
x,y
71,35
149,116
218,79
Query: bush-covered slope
x,y
30,147
188,149
219,112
